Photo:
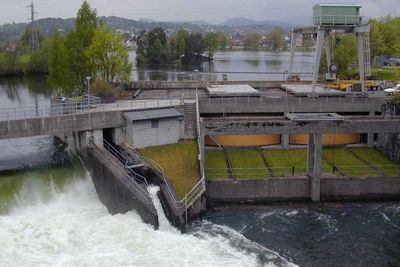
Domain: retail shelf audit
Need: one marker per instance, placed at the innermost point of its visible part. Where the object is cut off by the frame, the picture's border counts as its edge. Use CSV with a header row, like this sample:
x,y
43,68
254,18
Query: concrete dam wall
x,y
292,189
114,189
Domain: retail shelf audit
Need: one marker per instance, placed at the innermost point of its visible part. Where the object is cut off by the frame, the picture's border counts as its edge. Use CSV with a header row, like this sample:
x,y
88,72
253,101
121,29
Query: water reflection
x,y
24,92
238,65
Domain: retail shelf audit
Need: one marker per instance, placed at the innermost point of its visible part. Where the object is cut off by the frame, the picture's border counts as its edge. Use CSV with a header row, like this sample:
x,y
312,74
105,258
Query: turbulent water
x,y
50,223
330,234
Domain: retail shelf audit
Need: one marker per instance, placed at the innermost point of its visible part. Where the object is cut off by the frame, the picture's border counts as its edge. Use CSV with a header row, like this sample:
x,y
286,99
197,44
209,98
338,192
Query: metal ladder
x,y
367,55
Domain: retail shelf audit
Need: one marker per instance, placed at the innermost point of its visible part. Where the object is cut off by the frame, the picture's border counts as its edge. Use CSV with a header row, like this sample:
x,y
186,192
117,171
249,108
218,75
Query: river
x,y
237,65
50,213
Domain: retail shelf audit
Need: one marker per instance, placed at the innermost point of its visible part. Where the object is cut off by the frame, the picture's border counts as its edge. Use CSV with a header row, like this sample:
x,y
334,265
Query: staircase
x,y
189,110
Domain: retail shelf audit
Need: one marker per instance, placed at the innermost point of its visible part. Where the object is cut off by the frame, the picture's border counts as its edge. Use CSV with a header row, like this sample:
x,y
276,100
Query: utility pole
x,y
34,41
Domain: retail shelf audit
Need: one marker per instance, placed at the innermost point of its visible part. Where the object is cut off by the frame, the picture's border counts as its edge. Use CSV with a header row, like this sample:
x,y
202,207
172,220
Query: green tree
x,y
181,40
38,61
58,65
141,52
275,39
108,56
194,48
25,40
346,53
223,40
253,40
210,43
77,41
156,44
378,43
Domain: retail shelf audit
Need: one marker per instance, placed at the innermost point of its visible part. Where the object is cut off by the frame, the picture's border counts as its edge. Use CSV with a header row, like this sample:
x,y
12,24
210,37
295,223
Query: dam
x,y
269,118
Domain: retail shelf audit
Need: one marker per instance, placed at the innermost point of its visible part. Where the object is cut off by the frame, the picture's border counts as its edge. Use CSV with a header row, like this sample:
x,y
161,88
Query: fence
x,y
60,109
293,171
129,179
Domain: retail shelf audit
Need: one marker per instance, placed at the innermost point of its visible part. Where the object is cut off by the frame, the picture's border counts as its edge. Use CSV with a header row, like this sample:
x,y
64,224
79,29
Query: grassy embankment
x,y
179,162
352,162
386,73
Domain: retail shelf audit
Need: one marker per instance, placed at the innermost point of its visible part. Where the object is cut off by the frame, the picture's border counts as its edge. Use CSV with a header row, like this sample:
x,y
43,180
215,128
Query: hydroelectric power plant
x,y
255,173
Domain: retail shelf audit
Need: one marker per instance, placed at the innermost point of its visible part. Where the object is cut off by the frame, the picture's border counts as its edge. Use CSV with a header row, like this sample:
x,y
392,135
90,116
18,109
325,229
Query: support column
x,y
361,63
285,141
316,178
292,48
202,151
98,137
370,135
318,52
118,136
310,155
329,55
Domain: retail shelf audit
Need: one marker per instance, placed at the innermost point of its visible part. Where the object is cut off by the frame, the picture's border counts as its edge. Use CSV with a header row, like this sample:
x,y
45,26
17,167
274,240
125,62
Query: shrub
x,y
102,88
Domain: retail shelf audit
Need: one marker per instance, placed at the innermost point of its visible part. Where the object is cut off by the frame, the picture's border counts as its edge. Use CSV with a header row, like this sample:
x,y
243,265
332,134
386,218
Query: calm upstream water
x,y
237,65
50,213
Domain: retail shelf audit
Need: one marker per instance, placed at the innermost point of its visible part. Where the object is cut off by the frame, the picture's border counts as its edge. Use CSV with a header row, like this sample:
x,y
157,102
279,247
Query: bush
x,y
102,88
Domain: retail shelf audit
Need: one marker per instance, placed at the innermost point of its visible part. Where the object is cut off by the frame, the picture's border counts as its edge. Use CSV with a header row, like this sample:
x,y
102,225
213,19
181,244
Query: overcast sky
x,y
214,11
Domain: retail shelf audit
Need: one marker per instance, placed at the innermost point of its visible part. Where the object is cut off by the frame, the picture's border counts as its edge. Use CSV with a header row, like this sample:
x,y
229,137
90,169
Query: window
x,y
154,123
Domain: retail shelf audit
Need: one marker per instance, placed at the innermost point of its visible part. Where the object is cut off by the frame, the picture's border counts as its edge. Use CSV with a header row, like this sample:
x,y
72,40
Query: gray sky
x,y
214,11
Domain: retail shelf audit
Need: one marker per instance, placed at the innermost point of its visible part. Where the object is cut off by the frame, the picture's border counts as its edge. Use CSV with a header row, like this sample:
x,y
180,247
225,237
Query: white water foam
x,y
72,228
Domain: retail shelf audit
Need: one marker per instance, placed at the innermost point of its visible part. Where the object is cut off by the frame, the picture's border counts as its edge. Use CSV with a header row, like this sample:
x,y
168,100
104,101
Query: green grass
x,y
248,164
386,73
347,162
179,162
377,159
282,161
216,166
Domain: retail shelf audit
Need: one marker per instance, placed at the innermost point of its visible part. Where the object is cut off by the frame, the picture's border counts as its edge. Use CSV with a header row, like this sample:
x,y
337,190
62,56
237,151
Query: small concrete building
x,y
153,127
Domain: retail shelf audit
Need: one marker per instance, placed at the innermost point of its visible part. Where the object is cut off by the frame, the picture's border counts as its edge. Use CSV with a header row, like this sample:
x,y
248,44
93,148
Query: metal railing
x,y
125,160
345,20
189,198
290,171
130,180
84,106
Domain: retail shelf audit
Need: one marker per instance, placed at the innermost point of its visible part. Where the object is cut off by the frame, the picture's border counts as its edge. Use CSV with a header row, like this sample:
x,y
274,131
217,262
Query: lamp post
x,y
88,84
195,76
180,62
88,89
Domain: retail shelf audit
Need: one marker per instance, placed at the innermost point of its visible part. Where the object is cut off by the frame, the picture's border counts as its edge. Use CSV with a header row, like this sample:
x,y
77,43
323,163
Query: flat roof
x,y
151,114
232,90
338,5
306,89
314,117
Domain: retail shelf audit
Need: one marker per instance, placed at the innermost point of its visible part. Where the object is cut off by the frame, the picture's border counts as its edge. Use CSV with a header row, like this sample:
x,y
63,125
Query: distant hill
x,y
245,22
13,31
240,21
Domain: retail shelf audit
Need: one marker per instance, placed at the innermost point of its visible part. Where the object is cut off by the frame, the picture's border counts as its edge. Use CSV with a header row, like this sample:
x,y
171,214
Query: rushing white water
x,y
72,227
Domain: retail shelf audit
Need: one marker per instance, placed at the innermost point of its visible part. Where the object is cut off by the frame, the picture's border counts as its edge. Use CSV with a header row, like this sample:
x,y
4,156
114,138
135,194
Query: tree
x,y
77,41
25,40
141,52
58,64
275,39
194,48
210,43
253,40
378,43
346,53
223,40
181,40
156,44
108,56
